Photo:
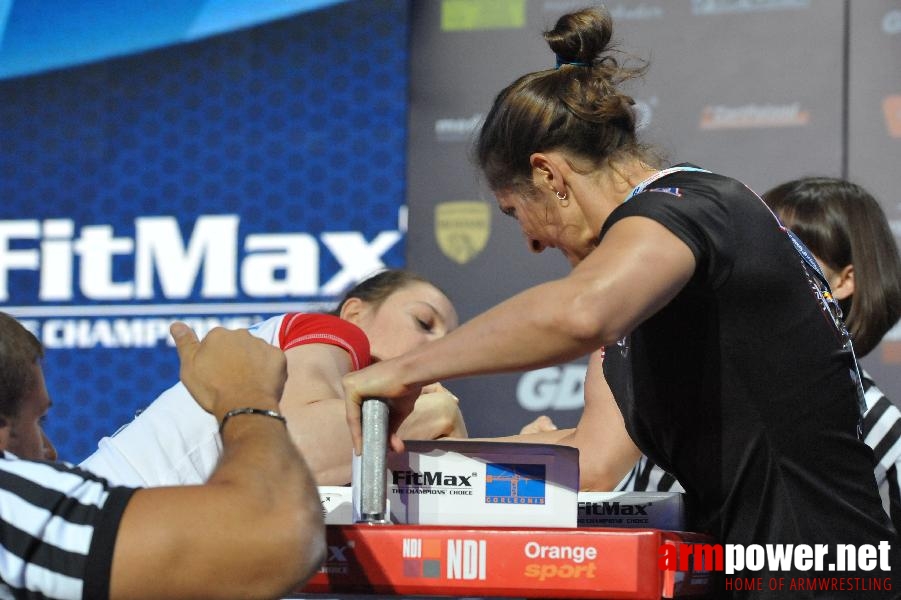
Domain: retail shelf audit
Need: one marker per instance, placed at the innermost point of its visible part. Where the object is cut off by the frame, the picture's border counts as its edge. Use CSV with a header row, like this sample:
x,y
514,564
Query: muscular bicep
x,y
314,374
637,269
313,404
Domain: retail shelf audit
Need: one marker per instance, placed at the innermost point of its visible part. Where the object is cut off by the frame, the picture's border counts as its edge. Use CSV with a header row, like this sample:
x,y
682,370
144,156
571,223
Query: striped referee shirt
x,y
882,433
58,525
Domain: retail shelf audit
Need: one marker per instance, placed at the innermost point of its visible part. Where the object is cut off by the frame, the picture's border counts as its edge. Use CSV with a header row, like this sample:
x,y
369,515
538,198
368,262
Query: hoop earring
x,y
561,197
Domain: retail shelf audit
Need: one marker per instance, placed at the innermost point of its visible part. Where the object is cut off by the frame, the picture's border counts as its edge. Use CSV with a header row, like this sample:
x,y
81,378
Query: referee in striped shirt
x,y
254,530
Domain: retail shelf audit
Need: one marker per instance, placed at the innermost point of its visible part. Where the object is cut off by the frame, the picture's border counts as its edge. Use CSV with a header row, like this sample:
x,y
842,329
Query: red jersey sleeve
x,y
300,328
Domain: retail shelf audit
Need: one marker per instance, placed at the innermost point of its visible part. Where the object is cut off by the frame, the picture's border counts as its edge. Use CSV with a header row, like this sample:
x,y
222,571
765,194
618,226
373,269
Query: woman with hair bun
x,y
725,354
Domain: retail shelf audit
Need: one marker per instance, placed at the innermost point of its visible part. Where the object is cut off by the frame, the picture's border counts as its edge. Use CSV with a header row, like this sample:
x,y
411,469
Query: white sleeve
x,y
173,442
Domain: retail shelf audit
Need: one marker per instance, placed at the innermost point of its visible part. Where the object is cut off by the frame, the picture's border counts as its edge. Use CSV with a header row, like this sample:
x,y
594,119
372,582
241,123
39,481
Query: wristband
x,y
250,411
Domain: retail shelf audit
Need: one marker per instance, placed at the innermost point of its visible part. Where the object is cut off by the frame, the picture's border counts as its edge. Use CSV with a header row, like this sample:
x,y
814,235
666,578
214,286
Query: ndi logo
x,y
514,484
466,559
421,558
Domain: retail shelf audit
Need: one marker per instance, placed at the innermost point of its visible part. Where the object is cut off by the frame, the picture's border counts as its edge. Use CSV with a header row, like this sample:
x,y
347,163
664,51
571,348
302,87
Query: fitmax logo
x,y
612,508
339,553
259,265
338,561
430,478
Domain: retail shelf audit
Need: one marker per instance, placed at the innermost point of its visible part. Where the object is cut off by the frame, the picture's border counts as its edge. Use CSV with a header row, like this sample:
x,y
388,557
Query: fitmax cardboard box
x,y
464,482
633,510
337,504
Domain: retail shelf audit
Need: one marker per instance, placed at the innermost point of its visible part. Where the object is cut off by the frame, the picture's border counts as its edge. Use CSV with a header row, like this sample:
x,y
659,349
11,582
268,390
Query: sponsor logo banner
x,y
464,559
712,7
552,388
339,558
432,482
467,15
462,228
753,116
422,558
216,261
891,346
457,129
891,106
891,22
621,11
99,285
514,484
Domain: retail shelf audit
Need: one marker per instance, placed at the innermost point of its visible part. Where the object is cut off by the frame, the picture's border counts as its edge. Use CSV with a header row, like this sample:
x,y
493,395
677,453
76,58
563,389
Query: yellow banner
x,y
467,15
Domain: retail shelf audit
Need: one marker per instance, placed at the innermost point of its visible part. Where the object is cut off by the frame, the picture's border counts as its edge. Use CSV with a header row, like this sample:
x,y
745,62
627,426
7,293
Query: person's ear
x,y
546,173
353,310
843,283
5,430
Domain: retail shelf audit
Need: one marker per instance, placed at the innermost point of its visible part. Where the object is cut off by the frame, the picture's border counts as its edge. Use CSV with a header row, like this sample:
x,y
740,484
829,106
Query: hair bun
x,y
580,37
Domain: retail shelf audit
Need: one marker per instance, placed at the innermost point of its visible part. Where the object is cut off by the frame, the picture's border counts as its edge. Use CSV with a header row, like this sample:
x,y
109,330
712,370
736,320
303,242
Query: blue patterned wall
x,y
132,191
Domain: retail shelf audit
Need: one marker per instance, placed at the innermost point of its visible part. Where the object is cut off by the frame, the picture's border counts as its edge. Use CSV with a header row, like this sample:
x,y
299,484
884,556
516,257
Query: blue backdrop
x,y
216,162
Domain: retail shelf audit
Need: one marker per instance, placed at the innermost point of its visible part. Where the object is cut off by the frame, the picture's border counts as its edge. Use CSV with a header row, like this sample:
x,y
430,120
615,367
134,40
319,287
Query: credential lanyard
x,y
644,184
802,250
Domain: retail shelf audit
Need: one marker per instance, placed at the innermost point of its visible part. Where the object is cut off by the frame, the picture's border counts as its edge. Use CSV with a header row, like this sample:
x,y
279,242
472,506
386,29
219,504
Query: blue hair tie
x,y
575,63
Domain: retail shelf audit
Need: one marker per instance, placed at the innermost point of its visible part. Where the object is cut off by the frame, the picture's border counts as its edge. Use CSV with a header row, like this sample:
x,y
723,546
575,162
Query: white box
x,y
442,482
634,510
337,504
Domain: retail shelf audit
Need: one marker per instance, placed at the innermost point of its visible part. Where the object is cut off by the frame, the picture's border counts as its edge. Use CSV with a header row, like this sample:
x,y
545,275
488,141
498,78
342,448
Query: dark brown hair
x,y
376,289
19,351
575,107
843,225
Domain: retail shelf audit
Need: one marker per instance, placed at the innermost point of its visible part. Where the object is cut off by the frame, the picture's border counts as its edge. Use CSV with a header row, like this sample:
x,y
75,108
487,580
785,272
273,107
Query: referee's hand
x,y
229,369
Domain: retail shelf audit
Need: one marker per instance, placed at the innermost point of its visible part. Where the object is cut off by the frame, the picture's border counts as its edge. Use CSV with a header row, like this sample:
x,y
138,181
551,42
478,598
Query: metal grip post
x,y
373,484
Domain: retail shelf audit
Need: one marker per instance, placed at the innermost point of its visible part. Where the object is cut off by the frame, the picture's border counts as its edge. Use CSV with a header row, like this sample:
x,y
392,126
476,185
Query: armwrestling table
x,y
375,557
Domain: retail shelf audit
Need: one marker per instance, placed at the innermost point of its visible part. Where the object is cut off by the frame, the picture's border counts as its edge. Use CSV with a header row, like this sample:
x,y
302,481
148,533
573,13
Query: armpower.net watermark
x,y
836,567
